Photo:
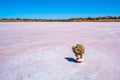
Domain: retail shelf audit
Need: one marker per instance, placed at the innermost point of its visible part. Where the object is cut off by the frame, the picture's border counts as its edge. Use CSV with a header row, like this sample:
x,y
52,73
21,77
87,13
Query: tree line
x,y
87,19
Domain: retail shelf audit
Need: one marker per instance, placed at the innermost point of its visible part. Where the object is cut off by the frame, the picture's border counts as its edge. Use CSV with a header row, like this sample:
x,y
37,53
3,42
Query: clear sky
x,y
58,9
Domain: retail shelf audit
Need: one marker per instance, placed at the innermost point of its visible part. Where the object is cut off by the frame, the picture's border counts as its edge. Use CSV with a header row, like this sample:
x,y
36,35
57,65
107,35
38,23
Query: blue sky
x,y
58,9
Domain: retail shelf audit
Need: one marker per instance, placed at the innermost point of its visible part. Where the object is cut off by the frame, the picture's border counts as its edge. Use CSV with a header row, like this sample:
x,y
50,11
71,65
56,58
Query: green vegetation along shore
x,y
88,19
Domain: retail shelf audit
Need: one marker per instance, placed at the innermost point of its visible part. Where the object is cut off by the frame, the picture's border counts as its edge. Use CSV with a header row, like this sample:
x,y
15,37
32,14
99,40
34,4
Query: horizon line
x,y
58,18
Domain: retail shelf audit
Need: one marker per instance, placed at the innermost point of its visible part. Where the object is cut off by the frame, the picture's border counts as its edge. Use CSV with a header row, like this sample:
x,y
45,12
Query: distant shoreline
x,y
88,19
115,20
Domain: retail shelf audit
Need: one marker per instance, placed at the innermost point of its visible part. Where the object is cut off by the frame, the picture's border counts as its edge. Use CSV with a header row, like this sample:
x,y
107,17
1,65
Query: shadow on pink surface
x,y
71,59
